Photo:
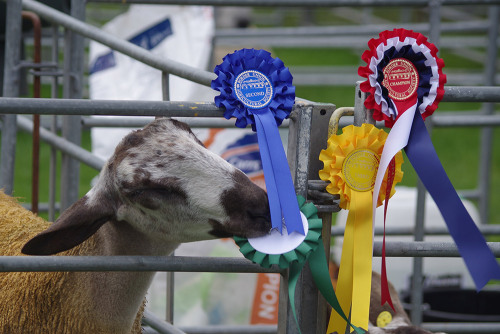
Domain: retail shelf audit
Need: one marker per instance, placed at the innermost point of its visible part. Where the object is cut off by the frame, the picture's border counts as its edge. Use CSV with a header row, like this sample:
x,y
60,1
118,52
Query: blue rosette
x,y
257,90
273,76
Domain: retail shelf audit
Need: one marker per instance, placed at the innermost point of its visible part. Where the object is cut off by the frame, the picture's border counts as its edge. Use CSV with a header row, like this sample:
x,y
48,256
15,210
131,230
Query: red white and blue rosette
x,y
257,90
406,44
406,83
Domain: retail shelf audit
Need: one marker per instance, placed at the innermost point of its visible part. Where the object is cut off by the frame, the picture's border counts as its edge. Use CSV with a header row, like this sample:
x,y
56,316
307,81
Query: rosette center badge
x,y
400,79
359,169
253,89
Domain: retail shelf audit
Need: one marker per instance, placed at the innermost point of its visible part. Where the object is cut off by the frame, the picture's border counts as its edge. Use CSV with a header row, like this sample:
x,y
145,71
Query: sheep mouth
x,y
258,226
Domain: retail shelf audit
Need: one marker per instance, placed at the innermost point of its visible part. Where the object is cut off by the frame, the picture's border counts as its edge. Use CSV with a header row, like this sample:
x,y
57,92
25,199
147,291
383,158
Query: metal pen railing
x,y
301,123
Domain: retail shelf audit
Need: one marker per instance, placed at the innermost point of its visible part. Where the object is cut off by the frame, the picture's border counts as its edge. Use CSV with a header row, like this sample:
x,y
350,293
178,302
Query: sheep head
x,y
165,184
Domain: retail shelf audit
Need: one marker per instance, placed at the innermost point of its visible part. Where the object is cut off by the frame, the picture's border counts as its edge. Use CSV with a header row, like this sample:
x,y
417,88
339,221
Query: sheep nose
x,y
263,217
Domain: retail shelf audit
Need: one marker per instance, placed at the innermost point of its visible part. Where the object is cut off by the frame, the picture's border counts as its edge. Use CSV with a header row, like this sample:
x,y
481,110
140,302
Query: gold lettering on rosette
x,y
360,169
400,79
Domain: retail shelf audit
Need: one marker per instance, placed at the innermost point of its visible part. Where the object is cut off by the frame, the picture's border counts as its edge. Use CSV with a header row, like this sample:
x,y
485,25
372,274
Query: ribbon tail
x,y
479,259
395,142
337,322
362,258
319,269
385,294
294,273
271,188
266,126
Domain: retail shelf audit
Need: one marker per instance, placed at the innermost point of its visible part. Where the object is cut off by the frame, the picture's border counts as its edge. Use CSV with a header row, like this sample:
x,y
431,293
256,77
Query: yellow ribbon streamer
x,y
354,281
362,259
351,161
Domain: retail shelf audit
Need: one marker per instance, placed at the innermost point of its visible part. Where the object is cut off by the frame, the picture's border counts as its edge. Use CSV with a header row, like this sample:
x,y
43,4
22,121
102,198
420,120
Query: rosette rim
x,y
297,255
234,64
340,146
372,57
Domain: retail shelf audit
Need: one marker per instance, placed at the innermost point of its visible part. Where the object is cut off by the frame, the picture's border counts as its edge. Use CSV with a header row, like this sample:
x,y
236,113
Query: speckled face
x,y
169,185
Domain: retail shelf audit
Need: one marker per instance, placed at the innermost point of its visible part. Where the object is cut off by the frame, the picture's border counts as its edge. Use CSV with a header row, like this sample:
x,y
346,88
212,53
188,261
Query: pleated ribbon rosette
x,y
292,251
351,161
257,90
405,80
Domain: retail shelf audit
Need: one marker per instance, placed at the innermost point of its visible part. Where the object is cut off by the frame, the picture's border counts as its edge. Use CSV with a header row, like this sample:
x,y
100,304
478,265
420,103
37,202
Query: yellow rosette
x,y
350,166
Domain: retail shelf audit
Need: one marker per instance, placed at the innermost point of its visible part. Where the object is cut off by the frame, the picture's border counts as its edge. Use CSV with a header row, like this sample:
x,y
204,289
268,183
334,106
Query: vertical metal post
x,y
165,85
306,295
361,114
490,71
417,277
73,74
37,58
10,89
318,141
53,127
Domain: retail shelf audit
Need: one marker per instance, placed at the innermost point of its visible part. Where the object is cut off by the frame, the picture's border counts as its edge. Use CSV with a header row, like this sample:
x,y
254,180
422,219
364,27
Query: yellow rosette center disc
x,y
360,169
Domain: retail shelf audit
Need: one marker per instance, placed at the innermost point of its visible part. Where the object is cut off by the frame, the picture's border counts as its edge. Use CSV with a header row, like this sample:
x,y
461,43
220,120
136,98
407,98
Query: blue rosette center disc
x,y
280,243
253,89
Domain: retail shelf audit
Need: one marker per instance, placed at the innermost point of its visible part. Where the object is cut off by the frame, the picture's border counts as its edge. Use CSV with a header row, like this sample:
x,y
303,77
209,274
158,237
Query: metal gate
x,y
303,149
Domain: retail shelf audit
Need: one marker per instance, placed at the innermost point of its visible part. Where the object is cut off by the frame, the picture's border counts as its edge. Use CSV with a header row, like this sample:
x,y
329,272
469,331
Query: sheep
x,y
398,321
159,189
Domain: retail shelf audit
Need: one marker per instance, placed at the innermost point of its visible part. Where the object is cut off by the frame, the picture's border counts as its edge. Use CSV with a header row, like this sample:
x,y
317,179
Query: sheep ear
x,y
75,225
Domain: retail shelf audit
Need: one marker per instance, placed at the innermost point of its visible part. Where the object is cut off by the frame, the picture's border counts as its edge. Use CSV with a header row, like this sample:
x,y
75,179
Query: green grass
x,y
23,171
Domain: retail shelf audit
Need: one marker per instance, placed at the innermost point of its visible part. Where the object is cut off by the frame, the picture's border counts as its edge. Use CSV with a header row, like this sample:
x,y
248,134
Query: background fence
x,y
304,144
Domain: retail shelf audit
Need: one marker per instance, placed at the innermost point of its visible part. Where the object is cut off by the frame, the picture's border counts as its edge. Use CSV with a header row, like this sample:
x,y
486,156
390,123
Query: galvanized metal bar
x,y
363,30
300,3
424,249
105,107
318,139
361,113
486,144
72,89
318,136
165,86
462,327
53,127
227,329
180,109
458,119
417,275
193,122
486,230
131,263
204,264
63,145
283,305
10,89
37,58
159,325
299,142
306,295
125,47
96,107
341,41
471,94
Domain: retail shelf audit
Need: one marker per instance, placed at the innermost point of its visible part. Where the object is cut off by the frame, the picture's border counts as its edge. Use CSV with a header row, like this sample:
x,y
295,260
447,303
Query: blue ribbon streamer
x,y
279,184
479,259
264,119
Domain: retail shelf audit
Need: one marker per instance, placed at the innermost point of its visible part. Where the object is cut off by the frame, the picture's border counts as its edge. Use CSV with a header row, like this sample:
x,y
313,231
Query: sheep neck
x,y
117,296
